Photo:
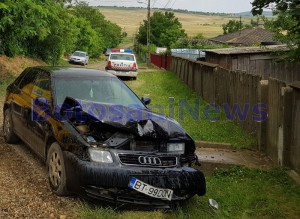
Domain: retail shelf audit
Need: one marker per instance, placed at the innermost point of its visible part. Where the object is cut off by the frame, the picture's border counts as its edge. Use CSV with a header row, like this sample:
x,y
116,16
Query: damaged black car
x,y
99,139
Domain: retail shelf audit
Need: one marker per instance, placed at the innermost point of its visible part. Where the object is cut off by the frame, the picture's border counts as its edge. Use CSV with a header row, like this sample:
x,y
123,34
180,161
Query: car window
x,y
80,54
26,84
97,89
41,86
124,57
21,76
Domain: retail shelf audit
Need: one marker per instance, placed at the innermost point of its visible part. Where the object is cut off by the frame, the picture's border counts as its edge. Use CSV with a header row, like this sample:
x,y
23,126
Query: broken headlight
x,y
176,148
100,156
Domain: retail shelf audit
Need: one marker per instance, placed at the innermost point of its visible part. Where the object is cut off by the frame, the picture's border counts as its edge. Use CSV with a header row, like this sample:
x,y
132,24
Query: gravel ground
x,y
24,189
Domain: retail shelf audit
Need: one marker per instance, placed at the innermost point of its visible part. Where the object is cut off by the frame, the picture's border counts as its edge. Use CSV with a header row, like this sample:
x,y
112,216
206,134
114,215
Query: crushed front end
x,y
143,162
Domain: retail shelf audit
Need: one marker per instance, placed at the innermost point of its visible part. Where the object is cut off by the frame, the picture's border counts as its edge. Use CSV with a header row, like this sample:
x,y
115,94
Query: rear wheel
x,y
56,170
8,130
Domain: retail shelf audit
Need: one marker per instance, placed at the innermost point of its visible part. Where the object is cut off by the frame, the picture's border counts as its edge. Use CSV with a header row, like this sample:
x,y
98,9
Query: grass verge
x,y
240,192
4,82
161,85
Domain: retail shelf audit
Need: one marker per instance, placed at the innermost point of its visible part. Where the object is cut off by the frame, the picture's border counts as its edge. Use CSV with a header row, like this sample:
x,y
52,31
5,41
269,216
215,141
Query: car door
x,y
41,111
21,105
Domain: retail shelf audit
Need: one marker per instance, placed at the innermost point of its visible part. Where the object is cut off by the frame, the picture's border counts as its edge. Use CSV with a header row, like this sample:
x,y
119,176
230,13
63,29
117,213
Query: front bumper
x,y
77,61
123,73
109,182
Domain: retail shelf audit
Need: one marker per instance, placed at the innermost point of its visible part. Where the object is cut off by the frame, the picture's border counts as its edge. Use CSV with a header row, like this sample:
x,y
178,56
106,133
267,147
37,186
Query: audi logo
x,y
145,160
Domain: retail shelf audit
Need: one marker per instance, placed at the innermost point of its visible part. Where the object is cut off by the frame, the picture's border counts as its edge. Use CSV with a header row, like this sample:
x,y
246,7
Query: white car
x,y
122,65
79,57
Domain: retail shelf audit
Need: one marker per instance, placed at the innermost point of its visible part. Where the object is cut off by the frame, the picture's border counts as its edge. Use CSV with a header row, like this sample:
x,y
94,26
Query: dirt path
x,y
24,187
100,66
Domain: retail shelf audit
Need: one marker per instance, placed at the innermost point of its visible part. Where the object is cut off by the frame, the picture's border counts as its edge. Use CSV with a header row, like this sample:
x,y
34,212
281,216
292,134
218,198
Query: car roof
x,y
80,51
121,53
59,71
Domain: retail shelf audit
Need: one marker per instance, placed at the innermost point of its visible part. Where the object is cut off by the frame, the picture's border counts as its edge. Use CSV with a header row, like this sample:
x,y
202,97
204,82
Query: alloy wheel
x,y
55,169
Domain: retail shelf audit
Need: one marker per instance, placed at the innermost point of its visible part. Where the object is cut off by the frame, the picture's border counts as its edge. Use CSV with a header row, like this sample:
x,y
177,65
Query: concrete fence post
x,y
262,128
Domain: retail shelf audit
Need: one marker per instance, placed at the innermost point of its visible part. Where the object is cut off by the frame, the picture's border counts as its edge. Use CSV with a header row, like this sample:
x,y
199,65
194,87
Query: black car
x,y
99,139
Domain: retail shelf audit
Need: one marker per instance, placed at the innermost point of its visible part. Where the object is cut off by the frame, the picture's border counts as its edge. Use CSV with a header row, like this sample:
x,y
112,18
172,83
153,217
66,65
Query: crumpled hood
x,y
140,122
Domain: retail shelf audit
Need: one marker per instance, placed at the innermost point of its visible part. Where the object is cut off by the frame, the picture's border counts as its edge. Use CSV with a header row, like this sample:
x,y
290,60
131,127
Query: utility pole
x,y
148,33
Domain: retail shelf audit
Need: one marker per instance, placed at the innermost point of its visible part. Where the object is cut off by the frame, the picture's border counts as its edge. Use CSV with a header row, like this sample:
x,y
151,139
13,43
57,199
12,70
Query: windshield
x,y
125,57
80,54
97,89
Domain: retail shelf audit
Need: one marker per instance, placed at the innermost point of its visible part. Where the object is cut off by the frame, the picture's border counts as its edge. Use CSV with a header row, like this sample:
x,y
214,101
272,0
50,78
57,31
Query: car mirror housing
x,y
146,100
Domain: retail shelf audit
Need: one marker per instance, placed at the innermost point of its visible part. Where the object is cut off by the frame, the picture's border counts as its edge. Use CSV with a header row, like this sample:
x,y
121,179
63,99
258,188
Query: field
x,y
130,20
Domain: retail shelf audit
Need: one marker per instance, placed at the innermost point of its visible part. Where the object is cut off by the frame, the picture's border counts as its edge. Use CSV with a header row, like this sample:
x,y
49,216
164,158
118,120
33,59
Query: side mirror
x,y
146,100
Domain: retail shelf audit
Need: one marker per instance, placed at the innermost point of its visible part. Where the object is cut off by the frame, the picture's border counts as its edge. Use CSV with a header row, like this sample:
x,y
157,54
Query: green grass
x,y
126,43
240,193
161,85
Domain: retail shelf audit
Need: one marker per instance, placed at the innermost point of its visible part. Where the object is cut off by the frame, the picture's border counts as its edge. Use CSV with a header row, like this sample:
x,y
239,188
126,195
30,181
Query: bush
x,y
47,29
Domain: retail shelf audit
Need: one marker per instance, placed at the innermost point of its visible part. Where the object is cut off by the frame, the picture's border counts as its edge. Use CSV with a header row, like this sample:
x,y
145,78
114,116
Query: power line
x,y
155,1
173,3
167,4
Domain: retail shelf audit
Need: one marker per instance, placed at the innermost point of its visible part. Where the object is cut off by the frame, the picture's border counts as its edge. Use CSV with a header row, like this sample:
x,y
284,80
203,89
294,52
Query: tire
x,y
8,129
57,170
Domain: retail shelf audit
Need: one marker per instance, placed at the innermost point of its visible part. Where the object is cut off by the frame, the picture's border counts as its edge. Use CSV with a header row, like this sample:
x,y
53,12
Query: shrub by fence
x,y
279,135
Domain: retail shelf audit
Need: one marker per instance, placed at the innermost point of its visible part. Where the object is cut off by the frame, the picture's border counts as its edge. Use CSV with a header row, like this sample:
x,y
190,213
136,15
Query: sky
x,y
226,6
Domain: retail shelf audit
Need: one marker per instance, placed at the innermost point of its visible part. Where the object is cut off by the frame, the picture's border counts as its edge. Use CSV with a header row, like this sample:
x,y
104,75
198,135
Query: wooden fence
x,y
283,125
279,135
220,86
257,64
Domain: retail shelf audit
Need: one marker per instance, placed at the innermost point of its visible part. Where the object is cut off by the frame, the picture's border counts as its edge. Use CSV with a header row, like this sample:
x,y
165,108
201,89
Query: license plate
x,y
149,190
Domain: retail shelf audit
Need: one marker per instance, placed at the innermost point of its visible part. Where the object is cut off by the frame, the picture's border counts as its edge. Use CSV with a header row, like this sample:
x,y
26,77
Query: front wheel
x,y
8,130
56,170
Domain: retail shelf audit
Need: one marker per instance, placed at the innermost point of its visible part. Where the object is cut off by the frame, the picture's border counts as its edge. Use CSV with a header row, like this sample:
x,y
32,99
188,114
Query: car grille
x,y
133,159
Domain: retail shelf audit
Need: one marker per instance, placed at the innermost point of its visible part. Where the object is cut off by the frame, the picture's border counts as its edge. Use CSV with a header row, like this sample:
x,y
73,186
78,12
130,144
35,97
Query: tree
x,y
287,24
110,32
199,36
165,29
232,26
47,29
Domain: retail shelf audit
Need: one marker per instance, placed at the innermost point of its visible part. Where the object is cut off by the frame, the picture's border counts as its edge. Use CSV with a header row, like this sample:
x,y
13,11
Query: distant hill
x,y
248,13
244,14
